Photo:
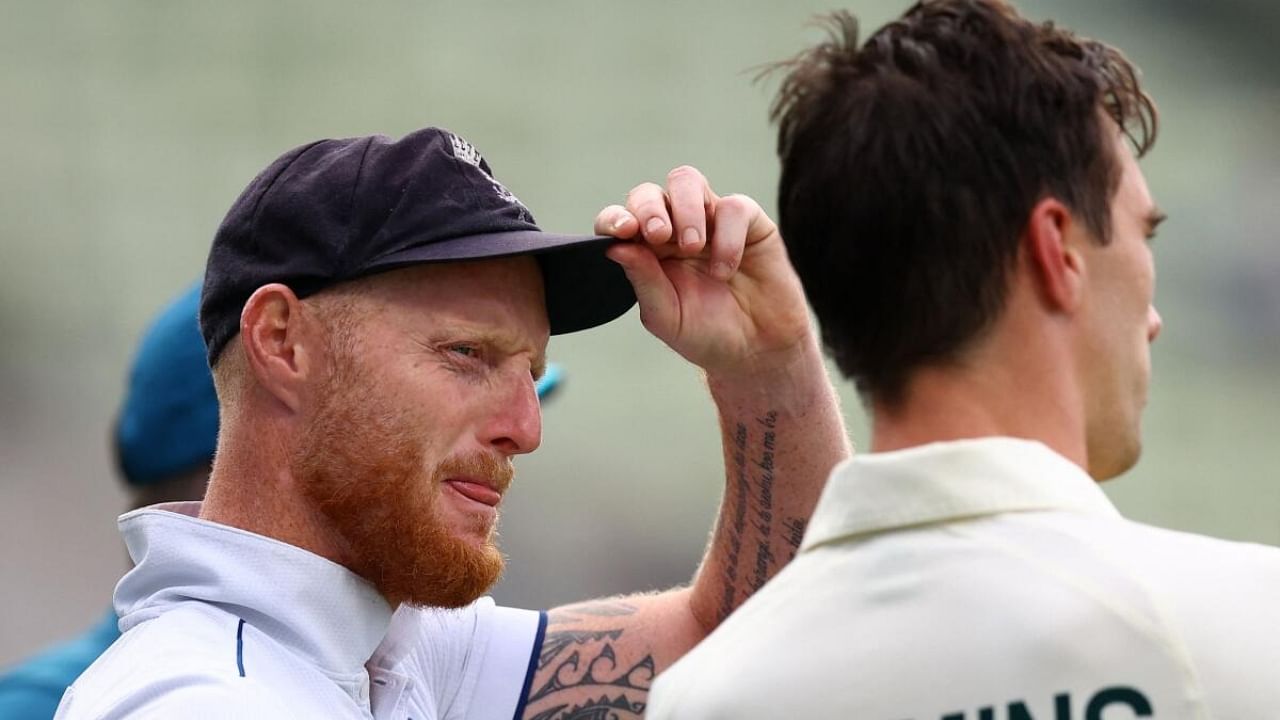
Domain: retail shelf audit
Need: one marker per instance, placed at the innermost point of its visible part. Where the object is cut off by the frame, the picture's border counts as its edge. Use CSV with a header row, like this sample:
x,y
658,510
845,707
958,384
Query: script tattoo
x,y
794,532
765,562
737,521
579,676
752,476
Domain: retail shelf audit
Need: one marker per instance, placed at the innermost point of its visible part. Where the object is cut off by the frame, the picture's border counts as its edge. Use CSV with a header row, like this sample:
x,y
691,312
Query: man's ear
x,y
1051,243
280,346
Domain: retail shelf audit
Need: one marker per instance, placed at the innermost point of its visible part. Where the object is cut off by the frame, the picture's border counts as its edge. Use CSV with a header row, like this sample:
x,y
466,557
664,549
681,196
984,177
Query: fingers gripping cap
x,y
337,210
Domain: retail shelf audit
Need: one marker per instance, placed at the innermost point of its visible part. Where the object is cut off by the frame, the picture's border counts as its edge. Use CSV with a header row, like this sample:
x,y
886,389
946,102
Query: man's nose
x,y
1154,323
516,424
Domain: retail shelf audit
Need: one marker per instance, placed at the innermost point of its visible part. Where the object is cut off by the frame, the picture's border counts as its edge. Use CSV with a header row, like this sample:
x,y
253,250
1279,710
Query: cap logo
x,y
466,152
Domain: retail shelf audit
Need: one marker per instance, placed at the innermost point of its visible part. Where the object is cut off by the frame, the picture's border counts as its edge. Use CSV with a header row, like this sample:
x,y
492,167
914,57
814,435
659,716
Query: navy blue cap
x,y
168,423
337,210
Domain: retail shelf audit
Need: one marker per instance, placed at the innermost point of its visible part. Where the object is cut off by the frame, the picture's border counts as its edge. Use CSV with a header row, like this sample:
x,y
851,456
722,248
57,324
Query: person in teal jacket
x,y
164,443
164,439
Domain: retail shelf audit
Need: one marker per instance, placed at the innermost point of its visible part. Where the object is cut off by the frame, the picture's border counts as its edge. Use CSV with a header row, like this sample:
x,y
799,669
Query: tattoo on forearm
x,y
557,642
737,521
753,480
579,676
794,533
619,708
765,562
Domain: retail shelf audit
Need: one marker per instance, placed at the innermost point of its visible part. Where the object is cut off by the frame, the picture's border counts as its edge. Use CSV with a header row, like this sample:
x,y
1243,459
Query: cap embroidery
x,y
467,153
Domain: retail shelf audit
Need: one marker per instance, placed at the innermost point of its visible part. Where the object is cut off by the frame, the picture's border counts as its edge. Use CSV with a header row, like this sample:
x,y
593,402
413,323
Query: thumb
x,y
657,297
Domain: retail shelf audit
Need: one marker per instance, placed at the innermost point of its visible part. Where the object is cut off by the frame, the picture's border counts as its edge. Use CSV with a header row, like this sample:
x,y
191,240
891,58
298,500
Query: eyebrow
x,y
496,339
1154,218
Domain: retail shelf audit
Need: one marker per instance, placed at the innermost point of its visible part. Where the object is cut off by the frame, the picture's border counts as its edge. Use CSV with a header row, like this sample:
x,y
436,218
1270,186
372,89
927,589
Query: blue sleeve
x,y
32,690
28,701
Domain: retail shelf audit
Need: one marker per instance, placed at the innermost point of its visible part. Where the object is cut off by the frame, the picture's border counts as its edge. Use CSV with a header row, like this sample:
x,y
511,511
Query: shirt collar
x,y
315,607
950,481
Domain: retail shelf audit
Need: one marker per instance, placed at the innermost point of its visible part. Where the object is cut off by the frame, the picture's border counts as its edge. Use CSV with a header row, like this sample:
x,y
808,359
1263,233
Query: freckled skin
x,y
436,393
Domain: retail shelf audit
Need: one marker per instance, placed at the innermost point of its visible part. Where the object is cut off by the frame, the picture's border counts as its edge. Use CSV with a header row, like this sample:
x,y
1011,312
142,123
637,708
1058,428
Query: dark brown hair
x,y
910,166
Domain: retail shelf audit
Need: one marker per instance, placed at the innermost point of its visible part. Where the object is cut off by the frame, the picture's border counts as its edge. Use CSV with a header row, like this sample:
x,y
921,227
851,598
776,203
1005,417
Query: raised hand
x,y
710,273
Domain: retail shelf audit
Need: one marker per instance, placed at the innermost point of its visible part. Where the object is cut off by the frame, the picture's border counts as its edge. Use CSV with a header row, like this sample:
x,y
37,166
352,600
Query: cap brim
x,y
583,287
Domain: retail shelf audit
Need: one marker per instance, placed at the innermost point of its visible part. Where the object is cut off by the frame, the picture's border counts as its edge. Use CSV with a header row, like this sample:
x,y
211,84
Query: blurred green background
x,y
130,126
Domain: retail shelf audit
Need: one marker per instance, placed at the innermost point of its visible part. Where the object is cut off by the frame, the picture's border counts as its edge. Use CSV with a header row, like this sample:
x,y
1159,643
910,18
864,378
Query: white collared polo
x,y
990,579
218,622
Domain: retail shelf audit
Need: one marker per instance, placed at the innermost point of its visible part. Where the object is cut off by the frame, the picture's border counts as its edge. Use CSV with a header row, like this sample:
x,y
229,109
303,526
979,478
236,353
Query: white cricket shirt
x,y
990,579
222,623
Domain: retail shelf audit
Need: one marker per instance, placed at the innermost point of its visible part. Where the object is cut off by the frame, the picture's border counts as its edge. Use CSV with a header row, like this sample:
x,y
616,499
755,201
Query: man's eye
x,y
465,350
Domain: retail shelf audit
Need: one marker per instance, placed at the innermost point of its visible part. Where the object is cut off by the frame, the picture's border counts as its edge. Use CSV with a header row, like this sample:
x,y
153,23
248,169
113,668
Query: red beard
x,y
362,468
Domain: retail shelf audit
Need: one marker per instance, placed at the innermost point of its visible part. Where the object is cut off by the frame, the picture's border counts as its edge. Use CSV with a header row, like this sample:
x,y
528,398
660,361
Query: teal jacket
x,y
32,690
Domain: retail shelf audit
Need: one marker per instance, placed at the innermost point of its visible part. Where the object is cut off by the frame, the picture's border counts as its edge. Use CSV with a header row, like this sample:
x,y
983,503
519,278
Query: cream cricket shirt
x,y
991,580
223,623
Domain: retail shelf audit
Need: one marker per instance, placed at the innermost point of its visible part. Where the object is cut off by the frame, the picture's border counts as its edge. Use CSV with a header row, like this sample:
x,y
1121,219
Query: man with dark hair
x,y
376,313
961,200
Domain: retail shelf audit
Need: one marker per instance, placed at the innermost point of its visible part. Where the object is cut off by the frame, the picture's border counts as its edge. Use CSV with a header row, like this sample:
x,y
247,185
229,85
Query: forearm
x,y
779,420
782,433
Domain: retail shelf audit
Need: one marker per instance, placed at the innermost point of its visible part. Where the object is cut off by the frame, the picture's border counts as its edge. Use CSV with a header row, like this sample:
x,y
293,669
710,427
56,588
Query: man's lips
x,y
475,490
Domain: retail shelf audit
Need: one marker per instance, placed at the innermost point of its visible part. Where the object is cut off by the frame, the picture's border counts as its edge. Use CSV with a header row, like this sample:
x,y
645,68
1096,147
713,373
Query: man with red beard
x,y
376,313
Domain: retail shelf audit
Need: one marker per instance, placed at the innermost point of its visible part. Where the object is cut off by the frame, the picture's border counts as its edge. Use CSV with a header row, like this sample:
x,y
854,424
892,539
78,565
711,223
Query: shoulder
x,y
207,697
419,634
445,636
184,663
191,636
748,666
1201,602
33,688
1201,573
1163,542
453,656
1221,597
1083,593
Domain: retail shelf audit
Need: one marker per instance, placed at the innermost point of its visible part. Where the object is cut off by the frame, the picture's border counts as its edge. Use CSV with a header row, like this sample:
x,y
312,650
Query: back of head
x,y
168,421
910,166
